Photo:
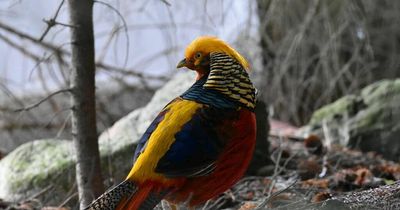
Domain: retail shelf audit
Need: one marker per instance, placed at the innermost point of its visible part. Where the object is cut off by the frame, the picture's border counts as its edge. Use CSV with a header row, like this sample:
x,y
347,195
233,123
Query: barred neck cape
x,y
210,97
227,85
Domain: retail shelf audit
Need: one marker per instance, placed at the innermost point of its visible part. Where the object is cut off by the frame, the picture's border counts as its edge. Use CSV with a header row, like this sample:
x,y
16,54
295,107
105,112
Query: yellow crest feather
x,y
208,44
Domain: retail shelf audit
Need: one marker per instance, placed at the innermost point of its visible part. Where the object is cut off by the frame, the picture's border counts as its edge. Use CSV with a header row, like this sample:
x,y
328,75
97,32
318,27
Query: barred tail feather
x,y
114,197
146,198
129,196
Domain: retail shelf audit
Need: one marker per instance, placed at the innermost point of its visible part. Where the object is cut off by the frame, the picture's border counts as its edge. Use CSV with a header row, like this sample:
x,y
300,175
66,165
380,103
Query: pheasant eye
x,y
198,55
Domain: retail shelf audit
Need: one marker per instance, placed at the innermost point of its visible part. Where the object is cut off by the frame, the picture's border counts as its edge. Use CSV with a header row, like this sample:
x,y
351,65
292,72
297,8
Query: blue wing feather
x,y
145,137
197,145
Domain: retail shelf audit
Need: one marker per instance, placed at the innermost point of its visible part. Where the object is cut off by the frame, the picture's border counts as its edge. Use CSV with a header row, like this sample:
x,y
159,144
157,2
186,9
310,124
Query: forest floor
x,y
304,173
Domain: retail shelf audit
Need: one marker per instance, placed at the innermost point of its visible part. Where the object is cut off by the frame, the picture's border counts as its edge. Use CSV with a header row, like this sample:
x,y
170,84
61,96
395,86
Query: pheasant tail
x,y
114,197
128,196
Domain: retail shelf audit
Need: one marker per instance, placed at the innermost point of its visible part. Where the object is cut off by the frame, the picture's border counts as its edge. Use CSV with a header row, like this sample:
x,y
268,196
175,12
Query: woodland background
x,y
304,54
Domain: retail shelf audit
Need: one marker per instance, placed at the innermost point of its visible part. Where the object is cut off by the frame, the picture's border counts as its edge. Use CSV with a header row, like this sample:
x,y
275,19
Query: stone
x,y
35,166
367,120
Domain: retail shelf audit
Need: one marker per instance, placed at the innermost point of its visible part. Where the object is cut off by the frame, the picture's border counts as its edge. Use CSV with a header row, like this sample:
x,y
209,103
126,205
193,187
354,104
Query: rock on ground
x,y
35,166
368,120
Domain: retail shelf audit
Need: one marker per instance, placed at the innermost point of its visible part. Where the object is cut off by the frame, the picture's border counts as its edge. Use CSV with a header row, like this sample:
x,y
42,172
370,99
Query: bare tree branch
x,y
51,22
22,49
31,38
59,51
41,101
125,26
166,2
267,199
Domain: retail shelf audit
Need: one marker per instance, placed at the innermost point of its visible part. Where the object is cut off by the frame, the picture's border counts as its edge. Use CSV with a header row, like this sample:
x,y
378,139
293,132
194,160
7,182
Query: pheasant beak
x,y
182,63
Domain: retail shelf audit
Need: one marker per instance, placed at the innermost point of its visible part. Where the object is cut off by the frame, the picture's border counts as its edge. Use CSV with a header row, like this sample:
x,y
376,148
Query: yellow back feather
x,y
208,44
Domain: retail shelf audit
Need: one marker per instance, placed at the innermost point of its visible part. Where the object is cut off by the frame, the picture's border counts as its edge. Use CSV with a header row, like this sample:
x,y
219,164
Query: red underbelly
x,y
230,166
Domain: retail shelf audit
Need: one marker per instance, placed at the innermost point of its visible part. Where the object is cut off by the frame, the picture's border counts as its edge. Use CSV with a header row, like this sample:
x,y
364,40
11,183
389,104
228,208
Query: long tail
x,y
128,196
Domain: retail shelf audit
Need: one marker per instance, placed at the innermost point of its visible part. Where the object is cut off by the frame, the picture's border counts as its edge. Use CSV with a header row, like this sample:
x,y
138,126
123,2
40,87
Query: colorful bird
x,y
201,143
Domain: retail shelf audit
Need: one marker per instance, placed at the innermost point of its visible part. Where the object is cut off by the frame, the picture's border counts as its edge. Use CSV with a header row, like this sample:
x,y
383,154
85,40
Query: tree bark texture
x,y
88,171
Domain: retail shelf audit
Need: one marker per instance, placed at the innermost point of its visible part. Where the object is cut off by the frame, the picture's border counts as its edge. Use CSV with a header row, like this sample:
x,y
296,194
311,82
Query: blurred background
x,y
304,54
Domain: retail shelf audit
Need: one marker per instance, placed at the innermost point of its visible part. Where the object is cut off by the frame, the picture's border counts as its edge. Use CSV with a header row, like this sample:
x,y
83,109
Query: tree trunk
x,y
88,172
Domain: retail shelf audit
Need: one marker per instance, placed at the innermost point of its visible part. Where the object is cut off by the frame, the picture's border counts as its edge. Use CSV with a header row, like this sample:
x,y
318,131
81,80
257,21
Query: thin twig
x,y
64,125
43,100
289,137
59,51
23,35
72,193
68,199
166,2
266,200
40,192
125,26
20,48
276,171
51,22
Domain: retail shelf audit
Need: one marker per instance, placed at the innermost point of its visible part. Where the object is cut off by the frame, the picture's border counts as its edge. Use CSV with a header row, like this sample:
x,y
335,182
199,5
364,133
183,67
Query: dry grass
x,y
316,51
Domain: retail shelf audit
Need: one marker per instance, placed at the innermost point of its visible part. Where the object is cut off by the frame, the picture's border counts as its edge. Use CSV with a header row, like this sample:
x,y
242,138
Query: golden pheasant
x,y
201,143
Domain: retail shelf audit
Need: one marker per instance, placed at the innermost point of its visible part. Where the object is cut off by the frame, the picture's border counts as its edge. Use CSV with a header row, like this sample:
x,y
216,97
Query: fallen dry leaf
x,y
248,206
321,196
316,183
